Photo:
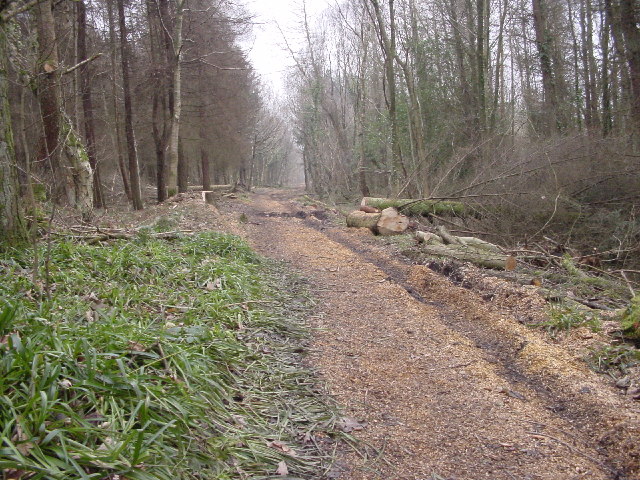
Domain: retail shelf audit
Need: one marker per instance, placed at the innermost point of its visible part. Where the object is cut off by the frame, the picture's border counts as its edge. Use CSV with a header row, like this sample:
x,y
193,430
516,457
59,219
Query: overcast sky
x,y
268,53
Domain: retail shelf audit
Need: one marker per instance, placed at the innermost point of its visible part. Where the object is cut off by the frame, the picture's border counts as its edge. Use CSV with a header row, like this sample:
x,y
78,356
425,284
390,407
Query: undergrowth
x,y
564,318
152,359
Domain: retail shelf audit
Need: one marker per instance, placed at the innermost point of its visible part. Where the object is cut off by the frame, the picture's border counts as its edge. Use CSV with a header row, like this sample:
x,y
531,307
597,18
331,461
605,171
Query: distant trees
x,y
116,96
431,96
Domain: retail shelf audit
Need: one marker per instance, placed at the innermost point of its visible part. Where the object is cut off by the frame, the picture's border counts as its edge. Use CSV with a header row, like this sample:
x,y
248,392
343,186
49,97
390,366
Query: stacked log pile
x,y
389,221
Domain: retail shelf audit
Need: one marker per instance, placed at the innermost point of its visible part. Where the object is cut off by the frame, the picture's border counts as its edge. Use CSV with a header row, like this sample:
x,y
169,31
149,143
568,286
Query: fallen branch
x,y
572,448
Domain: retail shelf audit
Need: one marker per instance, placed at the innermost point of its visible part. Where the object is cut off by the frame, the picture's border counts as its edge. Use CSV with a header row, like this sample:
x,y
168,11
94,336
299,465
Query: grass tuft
x,y
564,318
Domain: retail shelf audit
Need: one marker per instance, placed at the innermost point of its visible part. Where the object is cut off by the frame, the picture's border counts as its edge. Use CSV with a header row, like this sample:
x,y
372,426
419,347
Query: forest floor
x,y
439,381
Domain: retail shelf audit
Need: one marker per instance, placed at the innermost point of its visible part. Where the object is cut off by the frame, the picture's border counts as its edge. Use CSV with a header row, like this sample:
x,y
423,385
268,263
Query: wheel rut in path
x,y
446,386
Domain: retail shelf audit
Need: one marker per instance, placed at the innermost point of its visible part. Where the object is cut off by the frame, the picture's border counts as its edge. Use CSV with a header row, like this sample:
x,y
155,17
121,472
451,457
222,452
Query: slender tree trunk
x,y
174,137
204,151
499,72
87,104
576,69
465,89
124,174
134,173
607,120
481,114
361,116
591,61
73,176
159,124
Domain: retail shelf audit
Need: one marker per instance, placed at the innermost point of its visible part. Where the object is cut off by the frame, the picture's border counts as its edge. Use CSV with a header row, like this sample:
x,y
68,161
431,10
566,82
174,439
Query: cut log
x,y
359,219
392,223
476,256
429,238
419,208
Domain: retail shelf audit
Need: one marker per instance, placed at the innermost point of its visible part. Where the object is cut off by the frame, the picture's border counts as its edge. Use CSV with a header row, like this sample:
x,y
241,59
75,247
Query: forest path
x,y
445,386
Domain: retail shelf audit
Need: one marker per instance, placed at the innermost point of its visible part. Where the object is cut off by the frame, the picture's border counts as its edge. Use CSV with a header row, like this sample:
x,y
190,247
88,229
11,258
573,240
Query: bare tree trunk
x,y
174,137
612,10
134,172
544,42
159,123
73,178
11,220
576,68
630,18
87,104
361,115
114,93
49,98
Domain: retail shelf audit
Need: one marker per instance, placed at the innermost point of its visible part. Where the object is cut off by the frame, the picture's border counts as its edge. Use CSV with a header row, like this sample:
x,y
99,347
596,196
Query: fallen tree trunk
x,y
387,222
476,256
418,207
449,239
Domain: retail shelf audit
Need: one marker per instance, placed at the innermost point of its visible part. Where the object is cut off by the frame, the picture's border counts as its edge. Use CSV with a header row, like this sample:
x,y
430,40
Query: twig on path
x,y
244,304
573,449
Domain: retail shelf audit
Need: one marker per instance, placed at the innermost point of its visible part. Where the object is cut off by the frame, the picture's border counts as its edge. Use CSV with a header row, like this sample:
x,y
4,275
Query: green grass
x,y
564,318
156,359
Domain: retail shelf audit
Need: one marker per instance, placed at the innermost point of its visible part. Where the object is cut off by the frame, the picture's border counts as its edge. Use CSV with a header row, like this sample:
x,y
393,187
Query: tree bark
x,y
544,43
124,174
87,104
11,219
134,173
159,124
174,137
49,98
